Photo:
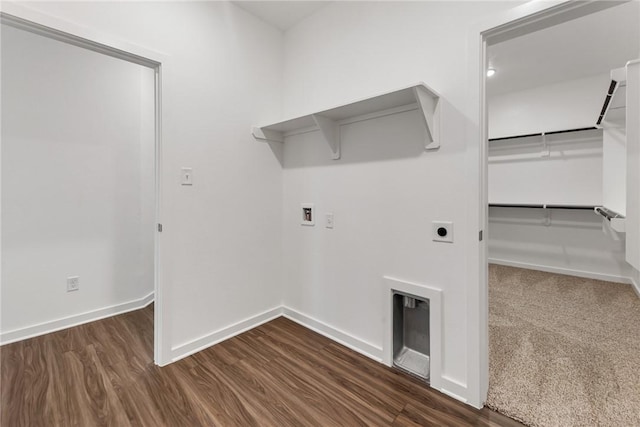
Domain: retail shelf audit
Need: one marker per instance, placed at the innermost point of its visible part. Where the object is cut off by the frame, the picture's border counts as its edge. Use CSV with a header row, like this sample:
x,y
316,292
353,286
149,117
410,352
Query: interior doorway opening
x,y
559,273
80,181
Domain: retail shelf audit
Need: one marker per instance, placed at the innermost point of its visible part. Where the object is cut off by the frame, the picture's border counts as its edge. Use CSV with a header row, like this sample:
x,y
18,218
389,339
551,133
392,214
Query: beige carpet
x,y
564,351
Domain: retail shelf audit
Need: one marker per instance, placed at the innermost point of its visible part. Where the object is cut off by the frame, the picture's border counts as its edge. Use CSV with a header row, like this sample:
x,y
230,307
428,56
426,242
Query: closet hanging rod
x,y
607,213
542,206
555,132
607,100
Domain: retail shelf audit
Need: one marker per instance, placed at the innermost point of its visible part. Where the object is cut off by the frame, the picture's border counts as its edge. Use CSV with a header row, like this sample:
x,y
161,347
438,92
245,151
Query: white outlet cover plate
x,y
73,283
443,224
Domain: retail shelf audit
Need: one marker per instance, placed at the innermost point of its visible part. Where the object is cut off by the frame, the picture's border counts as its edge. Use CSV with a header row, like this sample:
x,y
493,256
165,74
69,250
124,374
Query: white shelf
x,y
614,112
328,121
616,221
618,224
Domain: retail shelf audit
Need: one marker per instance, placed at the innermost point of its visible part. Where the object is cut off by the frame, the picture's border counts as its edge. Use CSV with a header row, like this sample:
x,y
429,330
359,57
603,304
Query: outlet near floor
x,y
73,283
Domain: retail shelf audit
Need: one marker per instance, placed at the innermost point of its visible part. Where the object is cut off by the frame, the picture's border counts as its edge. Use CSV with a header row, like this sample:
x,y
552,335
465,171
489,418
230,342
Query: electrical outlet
x,y
73,283
443,231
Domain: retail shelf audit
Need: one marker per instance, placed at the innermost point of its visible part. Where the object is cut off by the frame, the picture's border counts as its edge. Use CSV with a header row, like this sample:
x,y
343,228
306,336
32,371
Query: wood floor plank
x,y
176,405
91,398
289,408
394,382
125,378
27,376
364,394
114,341
328,406
436,417
278,374
403,420
234,408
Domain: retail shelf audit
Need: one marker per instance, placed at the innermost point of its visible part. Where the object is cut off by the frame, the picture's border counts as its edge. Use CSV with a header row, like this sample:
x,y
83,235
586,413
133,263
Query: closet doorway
x,y
80,190
563,312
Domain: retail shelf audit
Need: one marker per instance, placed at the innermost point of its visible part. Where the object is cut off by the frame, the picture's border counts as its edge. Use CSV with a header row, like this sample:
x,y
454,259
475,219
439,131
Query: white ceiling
x,y
593,44
586,46
282,14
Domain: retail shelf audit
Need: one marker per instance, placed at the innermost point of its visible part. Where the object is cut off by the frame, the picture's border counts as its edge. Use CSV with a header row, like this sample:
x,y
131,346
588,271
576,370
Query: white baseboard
x,y
636,286
335,334
453,388
446,385
183,350
566,271
75,320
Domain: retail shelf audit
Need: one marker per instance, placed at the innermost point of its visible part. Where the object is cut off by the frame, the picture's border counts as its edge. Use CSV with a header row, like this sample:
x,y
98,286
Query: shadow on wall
x,y
396,136
558,148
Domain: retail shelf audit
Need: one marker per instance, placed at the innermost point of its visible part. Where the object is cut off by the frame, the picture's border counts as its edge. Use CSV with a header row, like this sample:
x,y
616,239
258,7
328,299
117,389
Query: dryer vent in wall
x,y
411,335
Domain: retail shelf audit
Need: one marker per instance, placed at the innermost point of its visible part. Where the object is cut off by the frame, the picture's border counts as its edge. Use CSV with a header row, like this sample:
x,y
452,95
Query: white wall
x,y
222,236
569,104
571,172
571,242
567,171
614,170
75,197
385,190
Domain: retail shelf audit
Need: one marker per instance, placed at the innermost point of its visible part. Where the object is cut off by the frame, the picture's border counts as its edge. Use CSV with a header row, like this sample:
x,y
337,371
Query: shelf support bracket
x,y
545,146
330,131
429,106
267,135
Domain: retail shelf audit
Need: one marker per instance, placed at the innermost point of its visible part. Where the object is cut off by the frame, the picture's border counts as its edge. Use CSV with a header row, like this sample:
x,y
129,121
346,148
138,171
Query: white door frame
x,y
48,26
512,23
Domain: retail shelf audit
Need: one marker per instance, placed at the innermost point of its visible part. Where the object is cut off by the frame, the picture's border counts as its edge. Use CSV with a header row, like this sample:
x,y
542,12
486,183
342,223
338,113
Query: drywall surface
x,y
73,189
614,170
564,169
565,105
385,191
221,244
568,170
563,241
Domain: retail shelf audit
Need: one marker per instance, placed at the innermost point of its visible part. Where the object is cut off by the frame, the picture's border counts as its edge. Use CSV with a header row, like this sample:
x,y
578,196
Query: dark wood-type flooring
x,y
279,374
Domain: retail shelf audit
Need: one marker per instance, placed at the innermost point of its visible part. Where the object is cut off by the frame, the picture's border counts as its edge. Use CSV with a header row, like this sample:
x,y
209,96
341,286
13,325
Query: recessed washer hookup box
x,y
411,349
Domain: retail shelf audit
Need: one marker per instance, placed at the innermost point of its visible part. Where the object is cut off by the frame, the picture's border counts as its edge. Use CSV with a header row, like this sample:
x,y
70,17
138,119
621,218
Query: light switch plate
x,y
328,220
186,176
443,231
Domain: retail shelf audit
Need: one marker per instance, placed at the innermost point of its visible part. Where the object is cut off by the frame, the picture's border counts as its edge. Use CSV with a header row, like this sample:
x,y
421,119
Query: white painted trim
x,y
51,26
453,388
434,295
187,349
335,334
75,320
565,271
635,285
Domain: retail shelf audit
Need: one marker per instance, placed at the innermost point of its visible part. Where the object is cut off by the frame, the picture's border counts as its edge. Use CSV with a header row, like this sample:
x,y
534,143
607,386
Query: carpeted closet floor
x,y
563,351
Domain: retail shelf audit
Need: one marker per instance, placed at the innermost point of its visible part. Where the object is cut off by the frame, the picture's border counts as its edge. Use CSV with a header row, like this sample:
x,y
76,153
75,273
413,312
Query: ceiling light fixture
x,y
490,72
